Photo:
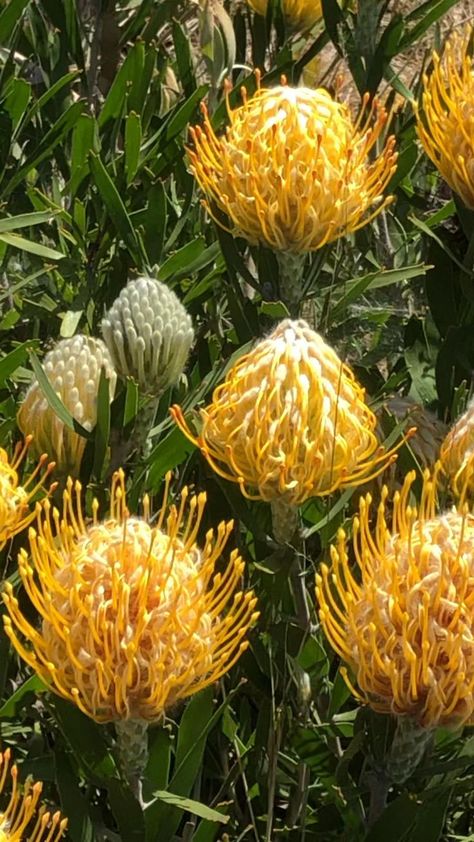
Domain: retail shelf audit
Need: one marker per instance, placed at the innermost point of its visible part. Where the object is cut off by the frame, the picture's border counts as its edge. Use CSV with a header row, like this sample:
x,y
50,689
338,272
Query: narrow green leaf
x,y
184,58
102,428
190,806
168,453
87,740
154,223
11,707
49,94
54,400
114,105
17,101
50,140
179,262
10,362
24,220
10,17
18,242
82,143
181,116
73,803
131,402
115,207
133,139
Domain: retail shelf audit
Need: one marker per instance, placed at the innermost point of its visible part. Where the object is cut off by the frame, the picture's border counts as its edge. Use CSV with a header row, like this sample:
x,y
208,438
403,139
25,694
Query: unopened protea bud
x,y
148,333
73,368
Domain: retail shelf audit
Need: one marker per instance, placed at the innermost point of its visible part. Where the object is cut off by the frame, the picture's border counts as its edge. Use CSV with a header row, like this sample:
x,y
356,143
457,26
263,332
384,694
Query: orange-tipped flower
x,y
403,619
446,124
457,453
293,171
15,512
21,821
290,421
131,613
299,14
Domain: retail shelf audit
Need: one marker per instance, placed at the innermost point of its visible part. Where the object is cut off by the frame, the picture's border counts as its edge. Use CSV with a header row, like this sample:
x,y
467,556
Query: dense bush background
x,y
95,103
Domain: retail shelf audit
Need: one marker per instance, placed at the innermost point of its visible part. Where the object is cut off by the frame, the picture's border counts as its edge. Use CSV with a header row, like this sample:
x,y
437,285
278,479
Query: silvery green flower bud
x,y
73,367
148,333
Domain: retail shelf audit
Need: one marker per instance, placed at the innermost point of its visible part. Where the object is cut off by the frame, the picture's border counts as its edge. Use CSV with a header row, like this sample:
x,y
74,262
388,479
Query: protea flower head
x,y
21,821
73,367
403,619
148,333
15,497
131,613
293,171
299,14
457,453
445,123
289,421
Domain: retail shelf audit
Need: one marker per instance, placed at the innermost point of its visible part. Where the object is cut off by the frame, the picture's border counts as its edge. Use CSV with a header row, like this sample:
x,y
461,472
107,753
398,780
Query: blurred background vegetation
x,y
95,103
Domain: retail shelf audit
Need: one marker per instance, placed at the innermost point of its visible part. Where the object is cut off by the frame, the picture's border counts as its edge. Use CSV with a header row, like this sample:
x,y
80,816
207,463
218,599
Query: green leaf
x,y
24,220
10,362
154,223
11,707
396,820
115,207
87,740
83,140
54,400
114,105
9,17
17,101
73,803
191,806
133,139
131,402
33,248
50,140
168,453
102,428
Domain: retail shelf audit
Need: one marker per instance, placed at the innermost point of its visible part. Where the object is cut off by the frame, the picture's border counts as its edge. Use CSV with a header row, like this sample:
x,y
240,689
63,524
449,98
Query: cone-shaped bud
x,y
73,368
457,453
148,333
133,612
21,820
403,618
290,421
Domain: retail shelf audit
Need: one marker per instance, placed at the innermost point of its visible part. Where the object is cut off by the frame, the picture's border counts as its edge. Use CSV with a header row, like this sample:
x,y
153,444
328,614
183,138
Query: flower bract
x,y
21,820
402,618
293,171
445,122
290,420
131,613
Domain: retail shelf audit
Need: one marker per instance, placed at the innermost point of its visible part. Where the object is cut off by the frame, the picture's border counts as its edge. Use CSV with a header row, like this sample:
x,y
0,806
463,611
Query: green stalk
x,y
291,267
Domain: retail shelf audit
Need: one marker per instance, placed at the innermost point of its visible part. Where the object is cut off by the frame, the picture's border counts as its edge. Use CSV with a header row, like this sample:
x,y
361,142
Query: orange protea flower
x,y
446,124
293,171
131,613
21,816
403,620
299,14
290,421
457,452
15,513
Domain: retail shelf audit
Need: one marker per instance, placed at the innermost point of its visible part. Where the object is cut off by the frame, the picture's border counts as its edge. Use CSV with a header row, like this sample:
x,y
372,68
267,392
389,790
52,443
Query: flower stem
x,y
408,747
132,743
286,532
291,268
140,441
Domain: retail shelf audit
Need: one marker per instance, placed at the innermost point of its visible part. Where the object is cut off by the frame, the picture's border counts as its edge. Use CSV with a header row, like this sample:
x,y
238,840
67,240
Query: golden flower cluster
x,y
289,421
293,171
299,14
15,513
403,620
131,613
457,453
446,123
21,815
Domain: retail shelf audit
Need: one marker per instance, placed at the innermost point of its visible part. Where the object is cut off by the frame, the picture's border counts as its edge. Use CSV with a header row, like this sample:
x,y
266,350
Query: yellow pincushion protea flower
x,y
15,514
446,124
457,453
290,421
403,619
131,614
293,171
21,821
300,14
